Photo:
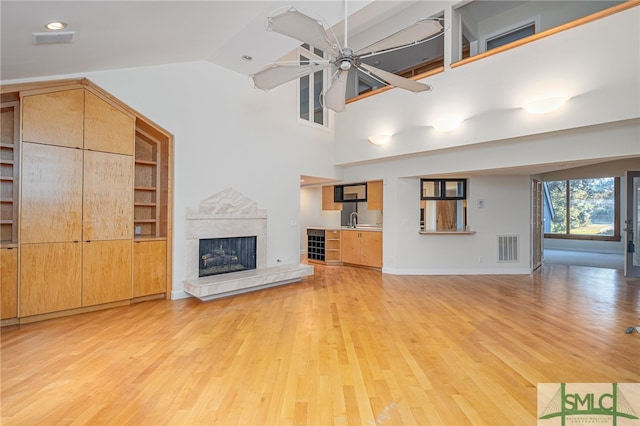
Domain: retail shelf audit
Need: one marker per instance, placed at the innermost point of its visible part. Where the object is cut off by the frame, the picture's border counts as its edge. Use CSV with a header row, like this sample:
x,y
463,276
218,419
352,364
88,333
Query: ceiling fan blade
x,y
419,31
396,80
334,96
279,73
297,25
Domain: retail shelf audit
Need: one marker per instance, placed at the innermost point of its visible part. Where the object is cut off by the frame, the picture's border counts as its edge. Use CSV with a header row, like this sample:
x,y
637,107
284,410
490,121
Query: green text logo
x,y
587,403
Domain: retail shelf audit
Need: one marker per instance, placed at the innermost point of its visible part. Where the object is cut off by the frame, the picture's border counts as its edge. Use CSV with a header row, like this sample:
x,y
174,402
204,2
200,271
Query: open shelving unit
x,y
150,187
9,161
332,253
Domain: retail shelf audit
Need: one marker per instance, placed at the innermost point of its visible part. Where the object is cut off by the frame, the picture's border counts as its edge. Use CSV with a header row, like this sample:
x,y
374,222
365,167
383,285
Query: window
x,y
512,35
443,204
310,89
583,209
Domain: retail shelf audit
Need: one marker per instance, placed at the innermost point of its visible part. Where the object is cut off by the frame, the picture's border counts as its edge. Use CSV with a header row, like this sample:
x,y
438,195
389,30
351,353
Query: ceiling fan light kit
x,y
343,59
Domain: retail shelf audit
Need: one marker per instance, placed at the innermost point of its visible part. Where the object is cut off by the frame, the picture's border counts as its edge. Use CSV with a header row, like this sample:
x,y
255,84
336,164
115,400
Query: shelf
x,y
145,188
144,221
142,238
146,163
6,162
6,145
144,204
6,178
6,200
6,222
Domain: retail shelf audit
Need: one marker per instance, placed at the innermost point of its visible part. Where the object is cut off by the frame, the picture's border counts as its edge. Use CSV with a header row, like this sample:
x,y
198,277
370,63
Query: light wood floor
x,y
348,346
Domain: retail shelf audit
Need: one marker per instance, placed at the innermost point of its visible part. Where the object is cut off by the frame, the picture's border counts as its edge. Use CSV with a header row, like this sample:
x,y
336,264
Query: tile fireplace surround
x,y
231,214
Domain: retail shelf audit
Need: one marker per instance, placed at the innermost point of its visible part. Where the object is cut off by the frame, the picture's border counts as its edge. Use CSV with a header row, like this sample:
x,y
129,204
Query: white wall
x,y
506,211
228,134
489,95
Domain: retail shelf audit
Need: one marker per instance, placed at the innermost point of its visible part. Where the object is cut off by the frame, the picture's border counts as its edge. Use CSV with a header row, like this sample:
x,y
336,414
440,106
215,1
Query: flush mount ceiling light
x,y
447,124
379,139
544,105
56,25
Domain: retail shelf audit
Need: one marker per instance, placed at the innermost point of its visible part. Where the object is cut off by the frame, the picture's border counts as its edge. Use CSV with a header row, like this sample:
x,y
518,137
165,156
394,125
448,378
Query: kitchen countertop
x,y
348,228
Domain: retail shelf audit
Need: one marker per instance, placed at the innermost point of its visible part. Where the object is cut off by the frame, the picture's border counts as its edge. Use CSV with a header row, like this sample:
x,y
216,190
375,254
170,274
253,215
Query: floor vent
x,y
508,248
53,38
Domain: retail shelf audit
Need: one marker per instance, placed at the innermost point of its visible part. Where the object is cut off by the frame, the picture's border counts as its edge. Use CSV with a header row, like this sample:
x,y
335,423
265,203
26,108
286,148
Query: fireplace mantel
x,y
231,214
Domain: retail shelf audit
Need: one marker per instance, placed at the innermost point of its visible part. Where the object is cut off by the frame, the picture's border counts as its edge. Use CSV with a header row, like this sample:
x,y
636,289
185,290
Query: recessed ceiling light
x,y
447,124
246,58
56,25
544,105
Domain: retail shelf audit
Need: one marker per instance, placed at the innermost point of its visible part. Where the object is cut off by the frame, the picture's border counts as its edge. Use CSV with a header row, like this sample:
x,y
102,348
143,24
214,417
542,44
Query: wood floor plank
x,y
346,346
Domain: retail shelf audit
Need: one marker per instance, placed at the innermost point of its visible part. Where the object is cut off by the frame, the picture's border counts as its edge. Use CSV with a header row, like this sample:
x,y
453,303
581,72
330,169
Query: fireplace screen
x,y
224,255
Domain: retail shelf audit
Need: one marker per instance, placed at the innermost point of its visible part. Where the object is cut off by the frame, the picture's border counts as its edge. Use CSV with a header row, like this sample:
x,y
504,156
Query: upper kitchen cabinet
x,y
328,202
374,195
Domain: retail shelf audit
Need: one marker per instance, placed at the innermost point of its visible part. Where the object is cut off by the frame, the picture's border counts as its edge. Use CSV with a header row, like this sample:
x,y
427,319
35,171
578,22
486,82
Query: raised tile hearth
x,y
231,214
216,286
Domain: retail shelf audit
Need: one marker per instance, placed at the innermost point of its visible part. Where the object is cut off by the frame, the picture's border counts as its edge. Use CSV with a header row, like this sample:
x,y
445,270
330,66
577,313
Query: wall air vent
x,y
53,38
508,248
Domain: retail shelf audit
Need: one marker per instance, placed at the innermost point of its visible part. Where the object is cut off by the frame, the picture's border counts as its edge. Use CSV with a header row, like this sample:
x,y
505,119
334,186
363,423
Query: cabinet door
x,y
8,283
106,271
371,249
351,247
327,199
149,268
106,128
374,195
54,118
50,277
108,196
51,194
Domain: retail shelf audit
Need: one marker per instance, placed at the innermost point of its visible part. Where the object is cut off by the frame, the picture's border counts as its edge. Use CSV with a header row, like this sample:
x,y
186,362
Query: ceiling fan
x,y
342,59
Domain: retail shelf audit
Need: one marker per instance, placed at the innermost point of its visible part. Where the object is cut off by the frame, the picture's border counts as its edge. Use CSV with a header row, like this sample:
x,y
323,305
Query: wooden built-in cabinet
x,y
362,248
149,275
8,282
50,277
84,155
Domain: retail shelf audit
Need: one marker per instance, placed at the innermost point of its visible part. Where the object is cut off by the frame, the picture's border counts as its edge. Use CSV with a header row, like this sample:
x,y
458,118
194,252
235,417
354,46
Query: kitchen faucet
x,y
353,221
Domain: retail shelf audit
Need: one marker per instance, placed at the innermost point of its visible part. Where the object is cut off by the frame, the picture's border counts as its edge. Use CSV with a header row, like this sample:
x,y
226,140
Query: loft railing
x,y
436,66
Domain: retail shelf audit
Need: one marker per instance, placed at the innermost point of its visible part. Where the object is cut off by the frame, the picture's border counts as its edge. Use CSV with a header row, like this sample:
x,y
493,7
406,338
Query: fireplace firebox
x,y
225,255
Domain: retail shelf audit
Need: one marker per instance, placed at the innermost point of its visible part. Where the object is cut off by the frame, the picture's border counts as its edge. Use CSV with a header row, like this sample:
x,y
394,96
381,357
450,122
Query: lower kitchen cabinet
x,y
106,271
8,283
150,268
50,277
362,248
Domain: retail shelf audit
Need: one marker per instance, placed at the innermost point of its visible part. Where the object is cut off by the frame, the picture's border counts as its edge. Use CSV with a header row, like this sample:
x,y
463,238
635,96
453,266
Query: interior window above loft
x,y
310,89
512,35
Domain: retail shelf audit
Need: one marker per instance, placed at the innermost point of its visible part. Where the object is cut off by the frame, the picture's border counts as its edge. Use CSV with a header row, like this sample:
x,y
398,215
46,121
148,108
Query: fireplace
x,y
225,255
216,235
